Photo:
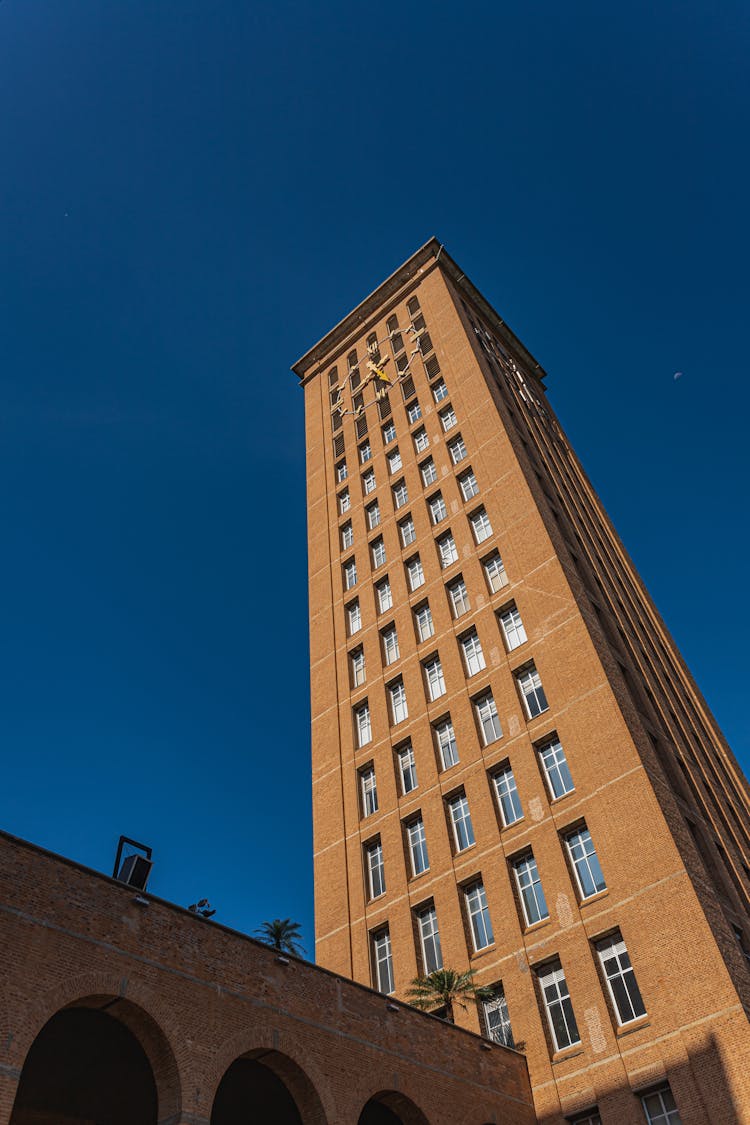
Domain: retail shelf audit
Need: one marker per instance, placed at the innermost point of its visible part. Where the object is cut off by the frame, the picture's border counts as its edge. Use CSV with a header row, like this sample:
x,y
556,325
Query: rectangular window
x,y
433,671
389,433
347,536
487,717
472,653
468,485
382,960
407,769
424,623
496,1018
585,862
421,441
357,664
399,708
350,574
354,617
621,983
345,501
448,418
428,471
333,377
459,598
417,846
407,531
365,452
432,367
438,510
463,829
481,526
338,445
446,742
559,1009
369,791
390,644
479,916
400,494
385,597
457,449
368,482
494,572
360,427
394,461
363,724
530,890
412,306
659,1107
415,573
512,627
373,515
556,770
448,551
341,472
508,800
377,549
439,390
351,360
429,936
375,869
384,407
413,412
532,692
590,1117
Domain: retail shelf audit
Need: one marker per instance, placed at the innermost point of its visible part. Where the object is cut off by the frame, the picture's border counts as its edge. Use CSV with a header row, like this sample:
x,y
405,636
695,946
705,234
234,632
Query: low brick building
x,y
117,1008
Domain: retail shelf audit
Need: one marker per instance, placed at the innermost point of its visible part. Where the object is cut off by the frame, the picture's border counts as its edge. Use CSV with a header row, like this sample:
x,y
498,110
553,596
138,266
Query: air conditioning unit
x,y
135,870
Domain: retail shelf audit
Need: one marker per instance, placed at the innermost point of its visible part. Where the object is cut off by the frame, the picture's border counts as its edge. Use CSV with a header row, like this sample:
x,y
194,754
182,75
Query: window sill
x,y
569,1053
537,926
633,1025
594,898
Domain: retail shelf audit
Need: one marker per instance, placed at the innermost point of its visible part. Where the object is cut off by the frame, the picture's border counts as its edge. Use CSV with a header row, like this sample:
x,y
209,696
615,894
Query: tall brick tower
x,y
513,769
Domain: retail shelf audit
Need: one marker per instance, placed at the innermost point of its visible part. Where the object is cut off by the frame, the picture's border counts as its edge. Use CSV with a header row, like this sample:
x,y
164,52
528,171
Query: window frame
x,y
615,944
554,974
417,847
459,818
382,934
478,888
445,738
533,885
375,870
510,793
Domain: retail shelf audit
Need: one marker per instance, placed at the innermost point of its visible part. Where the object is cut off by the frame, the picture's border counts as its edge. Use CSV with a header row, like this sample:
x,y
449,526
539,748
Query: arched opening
x,y
86,1066
391,1108
266,1086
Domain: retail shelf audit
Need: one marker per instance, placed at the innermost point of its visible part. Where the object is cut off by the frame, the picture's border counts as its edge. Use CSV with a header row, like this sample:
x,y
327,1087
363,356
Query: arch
x,y
272,1086
391,1108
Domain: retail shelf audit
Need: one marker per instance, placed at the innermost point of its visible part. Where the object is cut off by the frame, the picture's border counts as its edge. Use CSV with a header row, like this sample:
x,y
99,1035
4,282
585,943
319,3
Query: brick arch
x,y
132,1004
403,1107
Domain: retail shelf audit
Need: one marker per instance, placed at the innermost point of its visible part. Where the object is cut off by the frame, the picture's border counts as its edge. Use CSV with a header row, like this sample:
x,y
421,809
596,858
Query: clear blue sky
x,y
192,192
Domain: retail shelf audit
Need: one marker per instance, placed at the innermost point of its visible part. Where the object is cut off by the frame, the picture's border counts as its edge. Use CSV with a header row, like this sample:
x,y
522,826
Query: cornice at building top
x,y
433,253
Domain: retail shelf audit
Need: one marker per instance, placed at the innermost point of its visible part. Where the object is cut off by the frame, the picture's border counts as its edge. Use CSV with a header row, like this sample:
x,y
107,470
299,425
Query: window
x,y
394,461
417,846
659,1107
390,644
400,494
357,664
407,531
338,445
489,723
333,377
345,501
433,671
384,409
385,597
556,769
494,572
347,536
415,573
439,390
532,692
368,481
590,1117
341,472
413,412
428,471
369,791
429,936
463,829
448,418
512,627
438,510
559,1009
468,485
530,890
446,545
432,367
350,574
351,360
407,387
382,960
481,526
377,549
585,862
354,617
407,769
508,800
421,441
446,741
479,916
457,449
472,653
389,433
621,983
459,597
365,452
360,426
363,724
373,515
424,623
375,869
496,1018
412,306
399,708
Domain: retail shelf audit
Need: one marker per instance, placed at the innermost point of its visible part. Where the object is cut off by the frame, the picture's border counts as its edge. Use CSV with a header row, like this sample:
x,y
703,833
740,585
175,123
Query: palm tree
x,y
282,934
445,987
